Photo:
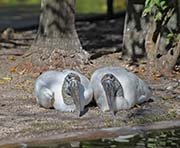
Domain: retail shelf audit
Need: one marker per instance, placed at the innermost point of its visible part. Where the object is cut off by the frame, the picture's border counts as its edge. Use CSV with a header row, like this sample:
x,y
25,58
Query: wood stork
x,y
115,88
66,91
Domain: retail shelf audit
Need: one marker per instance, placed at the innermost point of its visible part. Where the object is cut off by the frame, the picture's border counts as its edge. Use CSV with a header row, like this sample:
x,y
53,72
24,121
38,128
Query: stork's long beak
x,y
77,96
109,91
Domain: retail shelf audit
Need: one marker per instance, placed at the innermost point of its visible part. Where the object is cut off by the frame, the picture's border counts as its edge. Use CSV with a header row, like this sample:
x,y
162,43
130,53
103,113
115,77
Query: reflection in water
x,y
156,139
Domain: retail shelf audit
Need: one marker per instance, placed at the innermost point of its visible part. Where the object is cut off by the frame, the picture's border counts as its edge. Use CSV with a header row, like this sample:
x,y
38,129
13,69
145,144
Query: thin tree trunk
x,y
110,10
167,62
151,50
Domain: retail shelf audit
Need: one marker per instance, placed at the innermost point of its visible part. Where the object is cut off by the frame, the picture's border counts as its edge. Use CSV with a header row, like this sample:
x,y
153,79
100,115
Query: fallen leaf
x,y
11,58
22,72
13,70
156,76
7,78
142,69
168,97
27,81
2,81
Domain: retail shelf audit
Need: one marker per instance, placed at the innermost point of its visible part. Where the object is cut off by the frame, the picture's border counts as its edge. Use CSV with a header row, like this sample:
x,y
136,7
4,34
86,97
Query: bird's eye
x,y
111,77
69,77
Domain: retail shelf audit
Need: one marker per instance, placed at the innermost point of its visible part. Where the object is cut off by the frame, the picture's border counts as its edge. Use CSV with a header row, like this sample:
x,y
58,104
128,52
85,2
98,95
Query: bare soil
x,y
22,119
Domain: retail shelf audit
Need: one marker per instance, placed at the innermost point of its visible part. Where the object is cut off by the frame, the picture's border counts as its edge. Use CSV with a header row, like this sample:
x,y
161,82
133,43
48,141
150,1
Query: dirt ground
x,y
20,116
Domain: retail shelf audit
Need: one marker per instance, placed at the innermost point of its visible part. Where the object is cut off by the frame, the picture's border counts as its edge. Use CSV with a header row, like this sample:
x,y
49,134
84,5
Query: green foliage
x,y
89,6
178,37
155,6
172,37
169,37
18,2
158,8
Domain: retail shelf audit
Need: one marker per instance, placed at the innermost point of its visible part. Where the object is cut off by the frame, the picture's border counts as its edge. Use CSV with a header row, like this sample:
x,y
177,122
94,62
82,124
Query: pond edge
x,y
93,134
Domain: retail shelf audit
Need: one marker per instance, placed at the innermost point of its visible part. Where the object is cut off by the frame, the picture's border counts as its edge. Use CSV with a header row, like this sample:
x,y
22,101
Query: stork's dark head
x,y
110,84
74,82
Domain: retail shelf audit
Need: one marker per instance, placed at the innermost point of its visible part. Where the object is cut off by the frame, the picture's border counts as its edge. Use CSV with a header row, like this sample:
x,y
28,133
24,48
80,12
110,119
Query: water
x,y
156,139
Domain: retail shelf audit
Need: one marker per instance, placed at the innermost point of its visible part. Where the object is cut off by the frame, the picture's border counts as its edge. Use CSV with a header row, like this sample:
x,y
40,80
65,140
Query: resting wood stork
x,y
66,91
115,88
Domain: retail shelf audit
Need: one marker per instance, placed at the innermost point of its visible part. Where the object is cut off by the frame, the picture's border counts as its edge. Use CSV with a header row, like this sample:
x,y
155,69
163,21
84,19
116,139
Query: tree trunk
x,y
135,28
143,36
110,10
57,44
161,64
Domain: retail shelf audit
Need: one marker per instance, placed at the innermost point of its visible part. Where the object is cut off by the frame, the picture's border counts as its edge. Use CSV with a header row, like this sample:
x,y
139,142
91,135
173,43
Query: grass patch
x,y
99,6
19,2
43,126
154,118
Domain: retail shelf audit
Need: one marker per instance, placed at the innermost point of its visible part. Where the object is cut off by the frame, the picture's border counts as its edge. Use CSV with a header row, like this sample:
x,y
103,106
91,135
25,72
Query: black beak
x,y
109,91
83,112
74,87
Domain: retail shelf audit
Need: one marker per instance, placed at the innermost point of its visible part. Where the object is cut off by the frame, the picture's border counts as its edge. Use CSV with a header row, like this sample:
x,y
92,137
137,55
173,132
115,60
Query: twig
x,y
12,52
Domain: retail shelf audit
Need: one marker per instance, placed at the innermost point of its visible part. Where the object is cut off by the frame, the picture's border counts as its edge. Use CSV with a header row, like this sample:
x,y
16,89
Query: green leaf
x,y
158,16
178,37
147,2
167,41
156,7
170,35
146,11
162,3
151,5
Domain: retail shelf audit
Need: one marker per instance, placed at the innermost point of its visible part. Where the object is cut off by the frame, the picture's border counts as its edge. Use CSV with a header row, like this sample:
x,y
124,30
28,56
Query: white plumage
x,y
123,89
66,90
